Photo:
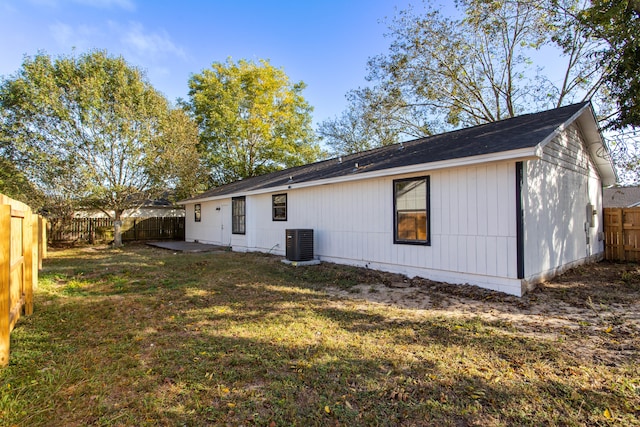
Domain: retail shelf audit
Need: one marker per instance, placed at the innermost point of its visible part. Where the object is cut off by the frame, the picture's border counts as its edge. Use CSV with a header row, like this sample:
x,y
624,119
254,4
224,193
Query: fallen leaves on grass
x,y
140,336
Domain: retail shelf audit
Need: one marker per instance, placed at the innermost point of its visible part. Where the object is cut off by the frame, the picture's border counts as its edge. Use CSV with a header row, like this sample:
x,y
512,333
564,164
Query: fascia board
x,y
587,122
559,130
520,154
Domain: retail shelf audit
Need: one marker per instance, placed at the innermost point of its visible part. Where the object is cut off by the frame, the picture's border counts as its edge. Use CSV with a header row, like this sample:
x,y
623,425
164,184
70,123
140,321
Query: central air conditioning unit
x,y
299,244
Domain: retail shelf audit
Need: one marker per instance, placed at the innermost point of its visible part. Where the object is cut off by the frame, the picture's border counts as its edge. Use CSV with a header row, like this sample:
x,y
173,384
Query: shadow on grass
x,y
197,339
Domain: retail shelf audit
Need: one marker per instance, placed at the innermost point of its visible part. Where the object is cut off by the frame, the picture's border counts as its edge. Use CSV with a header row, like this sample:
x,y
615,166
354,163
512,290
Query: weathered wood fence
x,y
101,229
622,234
23,245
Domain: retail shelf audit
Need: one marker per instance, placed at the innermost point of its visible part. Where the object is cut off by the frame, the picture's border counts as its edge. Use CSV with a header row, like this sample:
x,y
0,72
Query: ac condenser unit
x,y
299,244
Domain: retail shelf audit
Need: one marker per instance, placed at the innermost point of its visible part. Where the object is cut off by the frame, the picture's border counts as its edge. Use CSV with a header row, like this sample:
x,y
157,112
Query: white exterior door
x,y
224,224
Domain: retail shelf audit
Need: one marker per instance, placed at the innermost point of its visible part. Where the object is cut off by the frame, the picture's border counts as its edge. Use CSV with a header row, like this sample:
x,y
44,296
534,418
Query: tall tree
x,y
178,158
252,120
374,118
617,22
92,132
13,182
480,66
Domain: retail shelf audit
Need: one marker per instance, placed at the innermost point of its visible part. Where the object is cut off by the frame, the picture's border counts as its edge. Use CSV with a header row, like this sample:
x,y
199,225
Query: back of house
x,y
503,205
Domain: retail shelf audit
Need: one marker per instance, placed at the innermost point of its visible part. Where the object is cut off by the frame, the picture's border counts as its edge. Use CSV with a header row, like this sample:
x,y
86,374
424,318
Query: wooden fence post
x,y
27,247
5,280
35,264
42,240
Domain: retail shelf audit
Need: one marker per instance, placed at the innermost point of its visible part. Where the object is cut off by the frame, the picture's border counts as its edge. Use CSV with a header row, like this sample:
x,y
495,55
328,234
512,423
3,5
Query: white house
x,y
502,206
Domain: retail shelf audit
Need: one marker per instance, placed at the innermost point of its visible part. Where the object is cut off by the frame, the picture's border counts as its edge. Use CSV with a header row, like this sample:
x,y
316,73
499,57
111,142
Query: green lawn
x,y
143,336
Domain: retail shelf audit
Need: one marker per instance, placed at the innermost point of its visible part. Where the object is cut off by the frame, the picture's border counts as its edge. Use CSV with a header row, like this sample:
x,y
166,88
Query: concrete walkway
x,y
188,246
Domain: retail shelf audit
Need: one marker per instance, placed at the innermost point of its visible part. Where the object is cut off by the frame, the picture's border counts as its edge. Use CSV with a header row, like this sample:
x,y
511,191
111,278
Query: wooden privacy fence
x,y
101,229
622,234
22,248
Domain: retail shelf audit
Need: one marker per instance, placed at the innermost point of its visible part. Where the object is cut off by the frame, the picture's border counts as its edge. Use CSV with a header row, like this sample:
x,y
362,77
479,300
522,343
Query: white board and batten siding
x,y
214,226
503,221
472,219
558,231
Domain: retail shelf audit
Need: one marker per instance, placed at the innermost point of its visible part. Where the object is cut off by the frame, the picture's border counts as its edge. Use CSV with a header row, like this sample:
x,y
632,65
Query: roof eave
x,y
513,155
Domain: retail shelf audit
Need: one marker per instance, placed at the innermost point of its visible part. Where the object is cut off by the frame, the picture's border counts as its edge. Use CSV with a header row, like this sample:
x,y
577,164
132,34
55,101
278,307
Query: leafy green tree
x,y
624,148
13,182
617,22
91,132
252,120
178,162
442,73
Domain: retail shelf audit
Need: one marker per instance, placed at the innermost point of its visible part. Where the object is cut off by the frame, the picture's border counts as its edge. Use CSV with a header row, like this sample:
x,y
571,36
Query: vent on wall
x,y
299,244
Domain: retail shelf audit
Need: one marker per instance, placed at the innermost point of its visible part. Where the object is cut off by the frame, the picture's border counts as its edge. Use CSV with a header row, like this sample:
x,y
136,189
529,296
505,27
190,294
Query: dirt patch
x,y
593,311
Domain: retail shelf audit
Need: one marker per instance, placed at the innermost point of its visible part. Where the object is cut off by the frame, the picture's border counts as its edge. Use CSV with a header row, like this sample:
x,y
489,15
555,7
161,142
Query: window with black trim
x,y
197,213
279,207
411,211
238,215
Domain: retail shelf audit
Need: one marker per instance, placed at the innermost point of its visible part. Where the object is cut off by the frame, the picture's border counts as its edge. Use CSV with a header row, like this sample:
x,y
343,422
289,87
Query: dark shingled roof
x,y
520,132
621,197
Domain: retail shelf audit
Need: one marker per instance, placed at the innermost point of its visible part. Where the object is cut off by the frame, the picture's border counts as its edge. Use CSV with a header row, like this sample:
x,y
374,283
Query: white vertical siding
x,y
472,217
473,220
472,225
214,226
557,189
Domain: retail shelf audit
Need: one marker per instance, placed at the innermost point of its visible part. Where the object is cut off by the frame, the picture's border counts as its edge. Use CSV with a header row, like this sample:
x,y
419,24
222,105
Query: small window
x,y
197,213
238,215
279,207
411,211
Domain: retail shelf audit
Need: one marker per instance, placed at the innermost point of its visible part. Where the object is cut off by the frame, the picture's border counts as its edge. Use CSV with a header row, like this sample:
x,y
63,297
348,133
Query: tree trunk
x,y
117,229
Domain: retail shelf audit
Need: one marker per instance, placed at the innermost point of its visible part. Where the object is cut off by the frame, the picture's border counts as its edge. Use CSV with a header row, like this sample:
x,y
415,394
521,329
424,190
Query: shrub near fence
x,y
101,229
22,247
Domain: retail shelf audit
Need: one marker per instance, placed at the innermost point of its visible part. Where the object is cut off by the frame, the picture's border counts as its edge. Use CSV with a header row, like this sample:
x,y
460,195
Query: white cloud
x,y
107,4
45,3
62,33
99,4
67,36
148,44
133,41
7,8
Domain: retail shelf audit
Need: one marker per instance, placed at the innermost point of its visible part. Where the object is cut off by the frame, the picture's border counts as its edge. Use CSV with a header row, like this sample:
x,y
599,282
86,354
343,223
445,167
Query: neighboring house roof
x,y
518,137
158,203
621,197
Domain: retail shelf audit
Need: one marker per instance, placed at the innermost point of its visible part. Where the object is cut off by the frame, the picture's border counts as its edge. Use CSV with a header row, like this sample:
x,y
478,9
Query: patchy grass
x,y
142,336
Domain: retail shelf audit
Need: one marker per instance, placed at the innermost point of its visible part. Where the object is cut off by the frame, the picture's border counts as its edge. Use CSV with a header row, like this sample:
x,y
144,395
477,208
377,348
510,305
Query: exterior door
x,y
225,225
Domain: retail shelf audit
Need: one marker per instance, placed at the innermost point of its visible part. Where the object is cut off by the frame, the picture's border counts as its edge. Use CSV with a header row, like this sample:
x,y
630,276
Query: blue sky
x,y
323,43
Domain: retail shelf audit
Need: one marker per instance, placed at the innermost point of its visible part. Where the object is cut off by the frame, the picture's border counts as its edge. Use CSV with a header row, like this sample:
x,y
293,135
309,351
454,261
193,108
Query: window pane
x,y
279,213
279,207
238,215
411,216
412,226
